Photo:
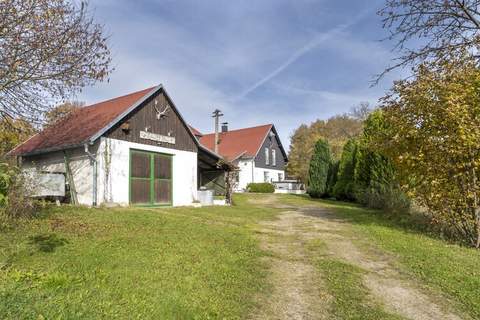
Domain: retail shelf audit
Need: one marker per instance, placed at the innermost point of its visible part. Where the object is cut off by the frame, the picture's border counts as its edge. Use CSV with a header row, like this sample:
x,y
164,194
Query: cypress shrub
x,y
319,168
375,182
332,177
344,188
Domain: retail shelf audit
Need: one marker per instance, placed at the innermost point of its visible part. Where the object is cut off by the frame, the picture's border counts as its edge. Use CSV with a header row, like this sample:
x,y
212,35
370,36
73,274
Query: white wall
x,y
246,173
79,165
113,183
273,174
249,173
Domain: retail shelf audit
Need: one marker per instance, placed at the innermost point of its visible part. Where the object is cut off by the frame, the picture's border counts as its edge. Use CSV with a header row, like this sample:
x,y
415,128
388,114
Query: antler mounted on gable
x,y
161,114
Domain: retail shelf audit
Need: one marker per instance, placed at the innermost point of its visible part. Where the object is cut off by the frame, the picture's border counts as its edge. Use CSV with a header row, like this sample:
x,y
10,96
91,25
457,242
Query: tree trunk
x,y
229,185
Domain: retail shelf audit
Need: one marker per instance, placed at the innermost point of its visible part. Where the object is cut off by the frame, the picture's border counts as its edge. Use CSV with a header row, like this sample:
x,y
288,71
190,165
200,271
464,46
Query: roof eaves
x,y
201,146
241,154
124,114
53,149
280,143
12,152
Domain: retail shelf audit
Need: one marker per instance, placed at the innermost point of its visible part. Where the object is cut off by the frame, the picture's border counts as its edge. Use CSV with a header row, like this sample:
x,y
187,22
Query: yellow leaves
x,y
434,137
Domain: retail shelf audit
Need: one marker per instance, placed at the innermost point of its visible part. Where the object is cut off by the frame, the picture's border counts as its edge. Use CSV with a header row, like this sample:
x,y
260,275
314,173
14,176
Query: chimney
x,y
216,114
224,126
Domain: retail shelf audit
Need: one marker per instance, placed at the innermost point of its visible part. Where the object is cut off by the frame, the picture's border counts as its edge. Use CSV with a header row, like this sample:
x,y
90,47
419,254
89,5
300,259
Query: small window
x,y
280,177
266,176
274,157
267,156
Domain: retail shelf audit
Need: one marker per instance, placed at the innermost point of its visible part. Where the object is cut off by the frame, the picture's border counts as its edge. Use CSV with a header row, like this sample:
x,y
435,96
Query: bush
x,y
264,187
7,175
14,194
319,169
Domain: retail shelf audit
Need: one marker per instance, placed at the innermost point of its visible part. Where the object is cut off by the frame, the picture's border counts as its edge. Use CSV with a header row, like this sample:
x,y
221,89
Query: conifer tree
x,y
319,168
345,186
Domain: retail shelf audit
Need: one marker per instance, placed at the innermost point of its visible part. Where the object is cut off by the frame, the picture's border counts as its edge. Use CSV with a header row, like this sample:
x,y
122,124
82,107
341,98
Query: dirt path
x,y
298,291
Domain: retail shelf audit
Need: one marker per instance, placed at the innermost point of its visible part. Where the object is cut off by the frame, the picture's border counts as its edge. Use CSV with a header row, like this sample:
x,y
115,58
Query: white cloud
x,y
204,63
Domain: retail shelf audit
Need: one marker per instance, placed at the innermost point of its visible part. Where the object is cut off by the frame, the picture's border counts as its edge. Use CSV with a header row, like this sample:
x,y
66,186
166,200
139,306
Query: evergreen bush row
x,y
362,174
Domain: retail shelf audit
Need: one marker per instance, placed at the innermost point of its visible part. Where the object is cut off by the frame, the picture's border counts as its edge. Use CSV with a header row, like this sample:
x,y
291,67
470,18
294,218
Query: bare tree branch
x,y
49,50
431,30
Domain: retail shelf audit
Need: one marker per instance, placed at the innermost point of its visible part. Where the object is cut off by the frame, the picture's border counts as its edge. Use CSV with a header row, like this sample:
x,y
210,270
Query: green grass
x,y
125,263
445,267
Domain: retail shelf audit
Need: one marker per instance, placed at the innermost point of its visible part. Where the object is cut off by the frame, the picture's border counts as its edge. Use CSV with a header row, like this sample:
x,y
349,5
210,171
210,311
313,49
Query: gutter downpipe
x,y
93,161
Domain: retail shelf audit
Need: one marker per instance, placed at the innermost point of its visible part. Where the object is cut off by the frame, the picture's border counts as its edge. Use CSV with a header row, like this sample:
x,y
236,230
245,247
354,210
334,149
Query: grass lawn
x,y
448,268
181,263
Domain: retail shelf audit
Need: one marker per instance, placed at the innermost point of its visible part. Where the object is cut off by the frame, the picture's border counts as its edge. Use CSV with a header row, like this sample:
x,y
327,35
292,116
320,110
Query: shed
x,y
131,150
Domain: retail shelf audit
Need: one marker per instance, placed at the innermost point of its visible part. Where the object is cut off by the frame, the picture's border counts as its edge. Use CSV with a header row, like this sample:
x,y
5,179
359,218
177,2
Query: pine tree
x,y
319,168
375,183
332,177
345,186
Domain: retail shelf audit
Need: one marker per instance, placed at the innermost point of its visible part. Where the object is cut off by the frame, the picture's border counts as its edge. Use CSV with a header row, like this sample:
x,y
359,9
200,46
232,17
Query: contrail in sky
x,y
317,40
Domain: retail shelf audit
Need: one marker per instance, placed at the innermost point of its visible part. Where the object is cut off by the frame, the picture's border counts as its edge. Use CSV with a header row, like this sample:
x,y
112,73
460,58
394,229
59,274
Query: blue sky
x,y
269,61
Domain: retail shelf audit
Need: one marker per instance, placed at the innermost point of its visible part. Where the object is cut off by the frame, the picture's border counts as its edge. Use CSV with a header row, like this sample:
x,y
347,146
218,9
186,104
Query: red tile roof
x,y
236,143
195,131
81,125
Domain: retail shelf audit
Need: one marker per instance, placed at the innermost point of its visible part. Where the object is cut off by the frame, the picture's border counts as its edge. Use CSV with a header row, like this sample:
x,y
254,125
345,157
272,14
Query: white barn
x,y
132,150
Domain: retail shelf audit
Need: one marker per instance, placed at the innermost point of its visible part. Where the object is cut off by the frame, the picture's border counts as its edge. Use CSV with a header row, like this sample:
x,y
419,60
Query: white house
x,y
257,151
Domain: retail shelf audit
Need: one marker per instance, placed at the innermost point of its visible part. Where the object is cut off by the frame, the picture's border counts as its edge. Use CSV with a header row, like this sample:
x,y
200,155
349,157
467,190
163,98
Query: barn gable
x,y
105,119
142,125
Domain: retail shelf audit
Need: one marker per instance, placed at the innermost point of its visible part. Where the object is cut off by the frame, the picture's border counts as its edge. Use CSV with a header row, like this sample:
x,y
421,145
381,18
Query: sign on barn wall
x,y
45,184
156,137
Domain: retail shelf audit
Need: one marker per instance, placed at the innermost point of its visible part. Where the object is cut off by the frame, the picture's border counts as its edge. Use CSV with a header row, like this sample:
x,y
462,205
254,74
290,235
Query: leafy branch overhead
x,y
49,50
431,30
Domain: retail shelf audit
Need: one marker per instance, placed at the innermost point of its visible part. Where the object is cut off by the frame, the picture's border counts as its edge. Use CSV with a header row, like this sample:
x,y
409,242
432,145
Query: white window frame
x,y
274,157
280,176
267,156
266,176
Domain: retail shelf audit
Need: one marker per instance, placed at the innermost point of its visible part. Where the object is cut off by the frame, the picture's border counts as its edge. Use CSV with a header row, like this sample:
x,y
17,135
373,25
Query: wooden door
x,y
150,178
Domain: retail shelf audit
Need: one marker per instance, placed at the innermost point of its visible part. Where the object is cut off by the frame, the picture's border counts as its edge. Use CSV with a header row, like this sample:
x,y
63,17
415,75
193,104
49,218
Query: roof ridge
x,y
119,97
248,128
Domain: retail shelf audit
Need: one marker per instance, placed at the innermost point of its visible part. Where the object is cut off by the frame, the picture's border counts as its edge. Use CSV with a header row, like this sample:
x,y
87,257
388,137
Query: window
x,y
280,177
267,156
266,176
274,157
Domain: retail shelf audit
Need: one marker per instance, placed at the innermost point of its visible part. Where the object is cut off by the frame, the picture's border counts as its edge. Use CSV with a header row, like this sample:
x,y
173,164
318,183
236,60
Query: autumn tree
x,y
433,137
49,49
336,131
431,30
300,149
319,168
61,111
12,133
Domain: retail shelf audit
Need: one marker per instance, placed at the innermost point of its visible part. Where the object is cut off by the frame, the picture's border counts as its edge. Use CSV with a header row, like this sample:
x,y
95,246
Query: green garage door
x,y
150,178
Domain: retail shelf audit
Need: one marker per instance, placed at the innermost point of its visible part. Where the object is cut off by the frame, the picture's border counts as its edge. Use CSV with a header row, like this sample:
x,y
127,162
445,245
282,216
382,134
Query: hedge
x,y
261,187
